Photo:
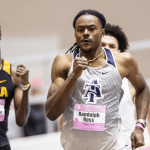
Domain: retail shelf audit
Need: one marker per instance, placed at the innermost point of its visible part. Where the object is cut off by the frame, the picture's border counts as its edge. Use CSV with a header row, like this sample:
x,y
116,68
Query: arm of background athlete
x,y
132,92
142,92
141,98
148,123
61,86
20,76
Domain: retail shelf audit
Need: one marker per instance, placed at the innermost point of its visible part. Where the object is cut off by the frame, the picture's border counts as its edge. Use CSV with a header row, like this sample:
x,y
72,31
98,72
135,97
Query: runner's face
x,y
110,42
88,32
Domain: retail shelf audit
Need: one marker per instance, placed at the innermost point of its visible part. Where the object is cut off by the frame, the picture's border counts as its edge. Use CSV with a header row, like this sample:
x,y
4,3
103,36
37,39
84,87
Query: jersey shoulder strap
x,y
110,58
6,67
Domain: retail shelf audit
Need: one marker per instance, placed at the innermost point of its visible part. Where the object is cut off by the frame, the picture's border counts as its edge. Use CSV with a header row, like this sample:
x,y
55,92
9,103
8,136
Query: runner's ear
x,y
103,32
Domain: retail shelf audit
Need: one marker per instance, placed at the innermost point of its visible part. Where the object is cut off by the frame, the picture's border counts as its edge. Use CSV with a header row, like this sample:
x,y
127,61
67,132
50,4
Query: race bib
x,y
2,109
89,117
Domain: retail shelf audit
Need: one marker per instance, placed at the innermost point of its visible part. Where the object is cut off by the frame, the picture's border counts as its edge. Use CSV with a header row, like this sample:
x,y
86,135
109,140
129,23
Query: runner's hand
x,y
137,138
22,72
79,65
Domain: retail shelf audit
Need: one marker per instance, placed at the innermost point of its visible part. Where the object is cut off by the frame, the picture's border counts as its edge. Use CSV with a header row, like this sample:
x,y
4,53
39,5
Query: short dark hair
x,y
116,31
100,16
91,12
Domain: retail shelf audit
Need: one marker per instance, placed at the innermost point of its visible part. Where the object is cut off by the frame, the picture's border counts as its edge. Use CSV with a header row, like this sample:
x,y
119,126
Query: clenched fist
x,y
79,65
22,72
137,138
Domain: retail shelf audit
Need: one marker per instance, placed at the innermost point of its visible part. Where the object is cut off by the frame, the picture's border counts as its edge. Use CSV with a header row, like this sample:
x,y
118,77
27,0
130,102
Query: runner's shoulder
x,y
63,62
15,78
124,57
127,58
13,69
63,58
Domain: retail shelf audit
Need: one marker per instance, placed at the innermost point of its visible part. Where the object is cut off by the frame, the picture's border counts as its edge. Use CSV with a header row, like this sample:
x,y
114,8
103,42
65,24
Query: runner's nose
x,y
86,32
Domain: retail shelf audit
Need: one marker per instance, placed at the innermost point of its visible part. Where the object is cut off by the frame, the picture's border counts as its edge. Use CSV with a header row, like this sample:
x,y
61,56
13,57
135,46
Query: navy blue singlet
x,y
6,95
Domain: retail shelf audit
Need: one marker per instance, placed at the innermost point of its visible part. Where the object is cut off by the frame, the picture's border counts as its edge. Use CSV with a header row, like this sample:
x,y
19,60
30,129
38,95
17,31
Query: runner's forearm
x,y
23,110
148,121
56,103
142,103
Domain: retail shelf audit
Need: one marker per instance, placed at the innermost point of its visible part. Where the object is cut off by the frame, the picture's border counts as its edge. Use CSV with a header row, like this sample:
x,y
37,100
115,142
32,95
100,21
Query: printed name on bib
x,y
89,117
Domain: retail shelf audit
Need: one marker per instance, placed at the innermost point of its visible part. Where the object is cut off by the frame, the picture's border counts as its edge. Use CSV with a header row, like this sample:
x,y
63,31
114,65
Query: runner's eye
x,y
112,46
80,30
92,29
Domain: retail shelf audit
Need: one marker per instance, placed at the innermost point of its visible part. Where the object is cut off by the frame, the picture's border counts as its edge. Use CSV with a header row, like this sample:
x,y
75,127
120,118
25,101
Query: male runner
x,y
116,40
86,88
13,84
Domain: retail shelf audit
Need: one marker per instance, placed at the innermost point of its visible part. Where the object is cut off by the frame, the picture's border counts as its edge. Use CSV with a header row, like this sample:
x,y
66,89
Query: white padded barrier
x,y
50,141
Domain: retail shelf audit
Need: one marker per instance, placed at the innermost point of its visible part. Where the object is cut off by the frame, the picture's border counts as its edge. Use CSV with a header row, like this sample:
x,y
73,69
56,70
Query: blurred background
x,y
35,31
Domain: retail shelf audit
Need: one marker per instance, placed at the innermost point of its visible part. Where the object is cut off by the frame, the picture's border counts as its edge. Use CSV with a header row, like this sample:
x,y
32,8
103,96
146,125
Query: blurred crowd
x,y
37,123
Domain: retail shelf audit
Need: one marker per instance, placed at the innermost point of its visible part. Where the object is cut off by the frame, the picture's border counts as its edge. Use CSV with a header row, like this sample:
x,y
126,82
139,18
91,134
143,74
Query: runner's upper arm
x,y
58,73
17,90
134,76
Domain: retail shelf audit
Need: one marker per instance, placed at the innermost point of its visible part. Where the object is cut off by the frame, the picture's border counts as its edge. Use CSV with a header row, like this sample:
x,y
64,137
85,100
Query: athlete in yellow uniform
x,y
13,84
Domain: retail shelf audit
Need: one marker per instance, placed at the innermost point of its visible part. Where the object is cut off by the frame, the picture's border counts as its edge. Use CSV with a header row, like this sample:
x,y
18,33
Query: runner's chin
x,y
86,48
